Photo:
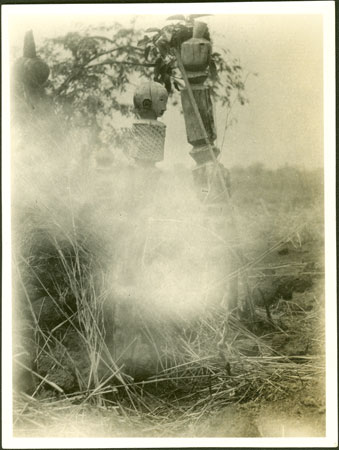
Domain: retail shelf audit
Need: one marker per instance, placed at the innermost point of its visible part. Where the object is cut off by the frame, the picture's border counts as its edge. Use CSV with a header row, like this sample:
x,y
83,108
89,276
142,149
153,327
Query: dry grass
x,y
201,365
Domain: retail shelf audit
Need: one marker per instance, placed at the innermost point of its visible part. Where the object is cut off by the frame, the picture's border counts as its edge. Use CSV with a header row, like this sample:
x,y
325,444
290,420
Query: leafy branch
x,y
77,68
88,71
225,73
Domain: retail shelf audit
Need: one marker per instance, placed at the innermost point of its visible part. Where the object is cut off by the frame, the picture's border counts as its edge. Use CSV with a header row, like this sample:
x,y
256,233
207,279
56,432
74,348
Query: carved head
x,y
150,100
30,69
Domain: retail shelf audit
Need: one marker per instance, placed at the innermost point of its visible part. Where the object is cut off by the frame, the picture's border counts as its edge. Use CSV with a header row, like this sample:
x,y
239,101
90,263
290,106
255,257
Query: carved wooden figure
x,y
30,72
210,176
195,57
148,134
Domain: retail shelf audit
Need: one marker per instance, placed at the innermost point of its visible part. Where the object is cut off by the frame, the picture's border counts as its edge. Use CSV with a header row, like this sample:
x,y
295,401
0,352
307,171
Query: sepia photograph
x,y
168,212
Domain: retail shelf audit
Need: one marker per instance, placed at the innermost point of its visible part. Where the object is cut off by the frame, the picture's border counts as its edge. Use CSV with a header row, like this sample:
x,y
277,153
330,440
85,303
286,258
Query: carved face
x,y
150,100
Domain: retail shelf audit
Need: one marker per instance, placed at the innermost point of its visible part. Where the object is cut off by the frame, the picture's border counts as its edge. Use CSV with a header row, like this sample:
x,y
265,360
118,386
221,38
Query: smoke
x,y
156,232
164,253
148,246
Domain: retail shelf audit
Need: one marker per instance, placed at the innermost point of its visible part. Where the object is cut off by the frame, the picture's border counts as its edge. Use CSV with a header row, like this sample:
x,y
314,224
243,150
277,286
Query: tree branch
x,y
103,38
106,52
79,67
124,63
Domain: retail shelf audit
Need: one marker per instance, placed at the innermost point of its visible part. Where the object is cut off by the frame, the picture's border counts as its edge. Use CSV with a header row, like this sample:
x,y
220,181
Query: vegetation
x,y
96,335
91,69
188,368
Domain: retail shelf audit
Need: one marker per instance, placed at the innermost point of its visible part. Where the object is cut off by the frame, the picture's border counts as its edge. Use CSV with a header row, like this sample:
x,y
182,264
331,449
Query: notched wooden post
x,y
210,176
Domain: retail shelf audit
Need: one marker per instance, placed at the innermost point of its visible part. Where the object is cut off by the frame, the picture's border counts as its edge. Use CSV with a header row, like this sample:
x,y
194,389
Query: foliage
x,y
91,69
226,73
89,72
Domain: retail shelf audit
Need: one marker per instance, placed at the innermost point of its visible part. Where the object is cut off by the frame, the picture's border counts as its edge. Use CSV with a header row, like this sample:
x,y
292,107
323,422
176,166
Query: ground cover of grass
x,y
225,373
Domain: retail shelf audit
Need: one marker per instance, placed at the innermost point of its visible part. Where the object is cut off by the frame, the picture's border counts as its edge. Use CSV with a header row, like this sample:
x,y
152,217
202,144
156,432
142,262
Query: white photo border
x,y
324,8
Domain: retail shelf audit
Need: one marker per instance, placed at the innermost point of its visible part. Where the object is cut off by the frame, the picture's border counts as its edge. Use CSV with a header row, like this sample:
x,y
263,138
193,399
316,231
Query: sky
x,y
283,122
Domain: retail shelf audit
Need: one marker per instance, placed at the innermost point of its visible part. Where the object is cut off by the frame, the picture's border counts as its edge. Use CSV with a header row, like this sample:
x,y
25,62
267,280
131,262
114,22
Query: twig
x,y
53,385
123,63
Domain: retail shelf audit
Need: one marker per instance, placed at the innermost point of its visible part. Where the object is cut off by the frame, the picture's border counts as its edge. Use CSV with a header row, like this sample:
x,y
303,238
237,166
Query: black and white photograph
x,y
168,212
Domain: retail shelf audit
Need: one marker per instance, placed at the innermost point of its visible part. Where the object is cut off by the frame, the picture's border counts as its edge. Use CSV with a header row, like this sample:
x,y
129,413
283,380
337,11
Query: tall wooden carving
x,y
195,57
210,176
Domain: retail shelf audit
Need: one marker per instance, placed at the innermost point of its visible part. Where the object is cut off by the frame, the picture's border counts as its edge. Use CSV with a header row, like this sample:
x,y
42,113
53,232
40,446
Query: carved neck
x,y
149,115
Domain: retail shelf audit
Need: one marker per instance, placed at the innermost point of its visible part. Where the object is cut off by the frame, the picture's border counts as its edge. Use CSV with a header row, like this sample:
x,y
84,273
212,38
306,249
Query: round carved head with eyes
x,y
150,100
